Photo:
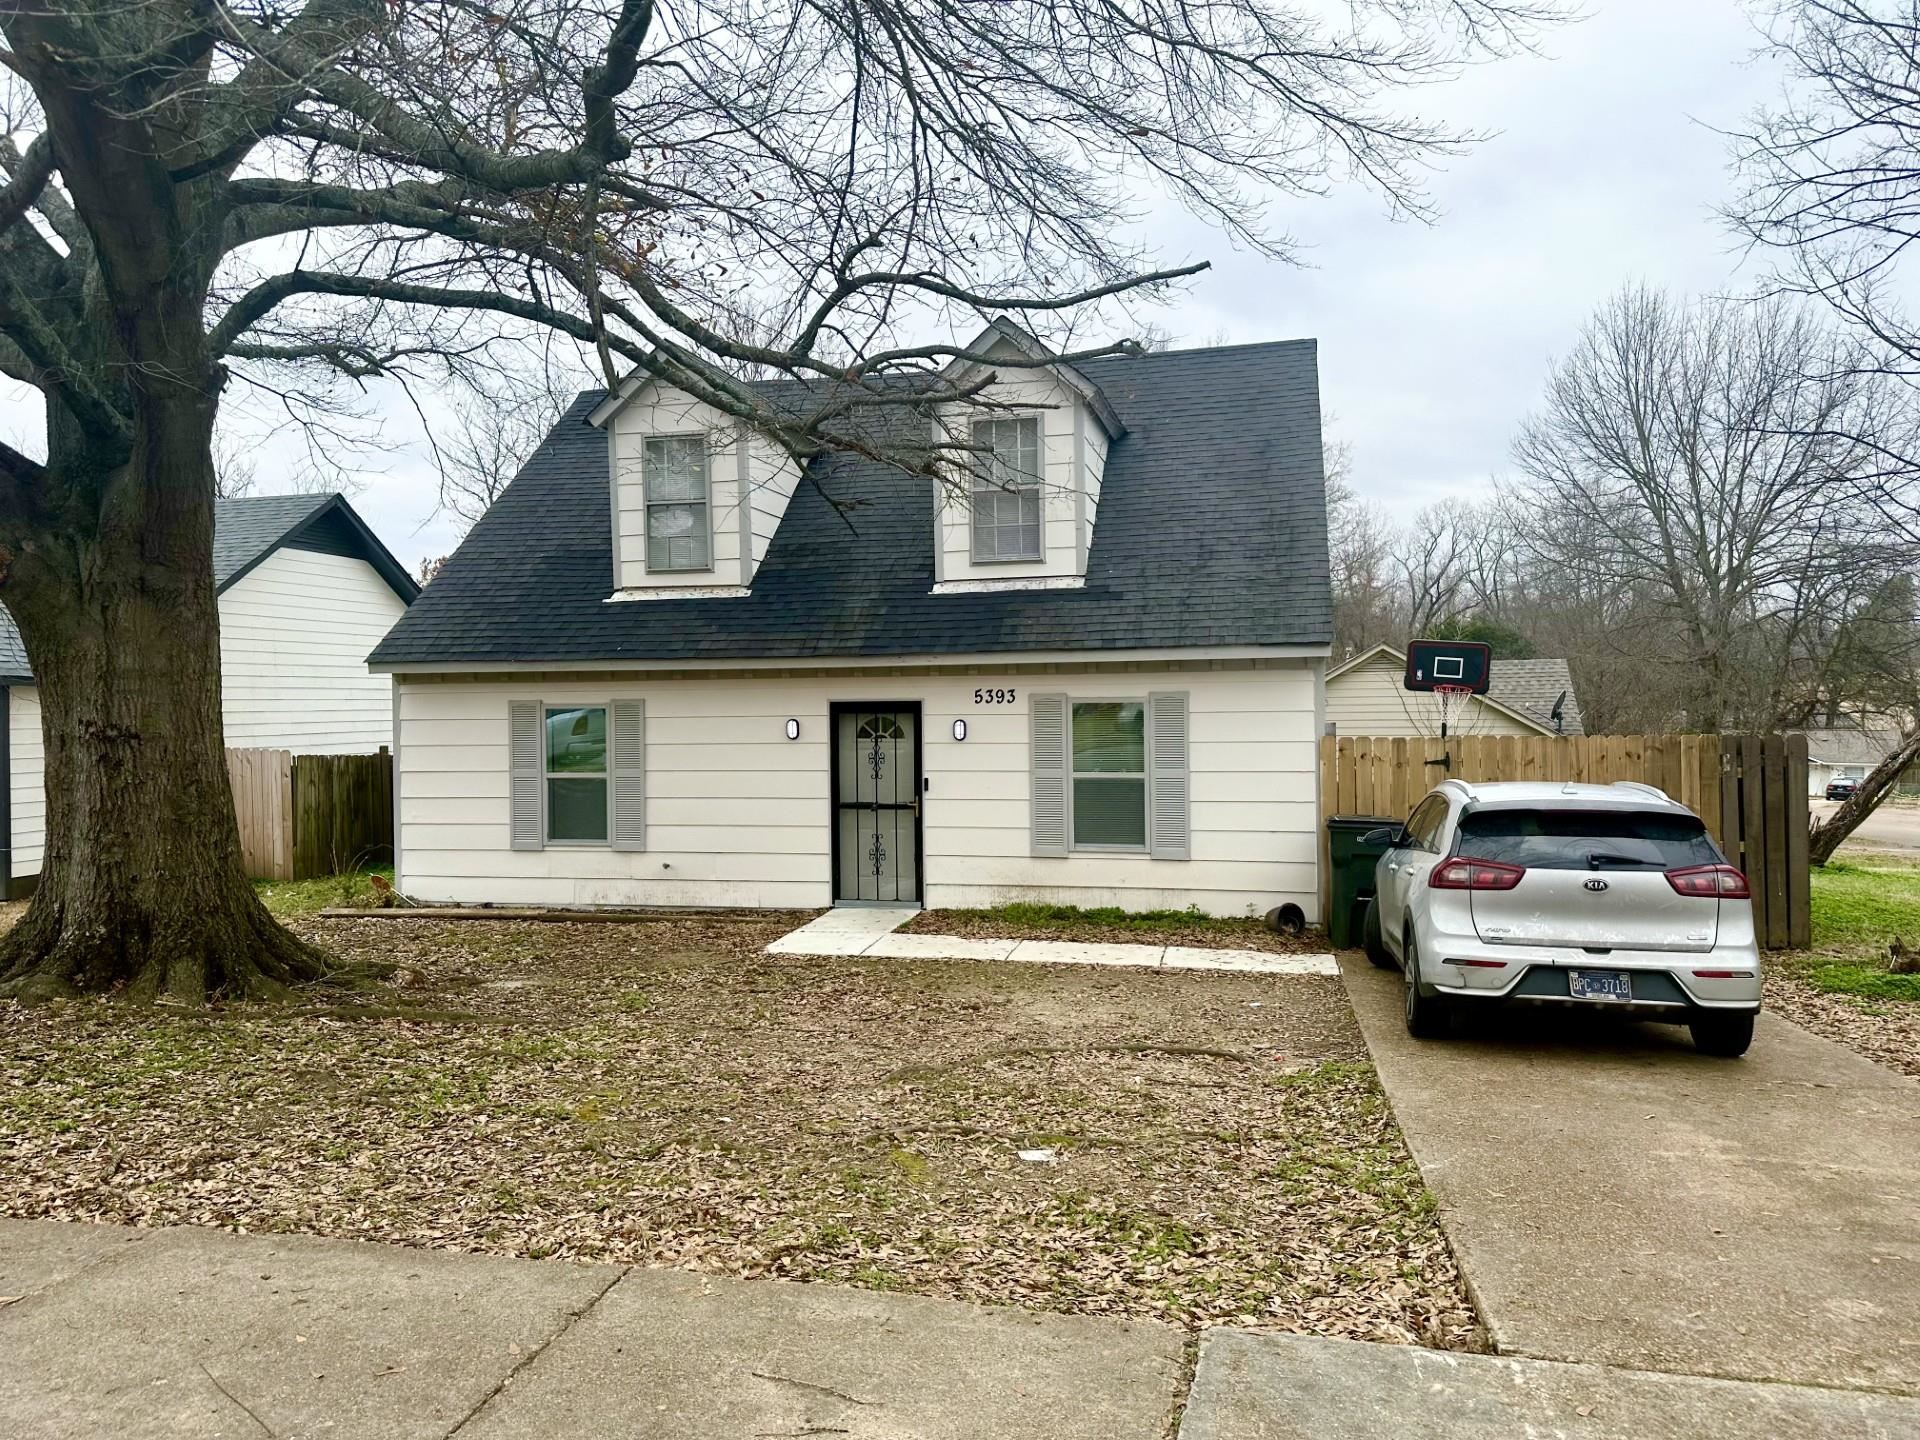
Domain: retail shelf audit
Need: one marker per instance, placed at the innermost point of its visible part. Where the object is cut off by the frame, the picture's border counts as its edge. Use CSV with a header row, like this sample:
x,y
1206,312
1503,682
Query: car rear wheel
x,y
1372,941
1427,1016
1717,1034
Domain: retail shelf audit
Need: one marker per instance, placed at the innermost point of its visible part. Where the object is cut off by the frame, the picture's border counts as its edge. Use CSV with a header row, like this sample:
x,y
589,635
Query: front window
x,y
673,470
1006,490
1110,774
577,775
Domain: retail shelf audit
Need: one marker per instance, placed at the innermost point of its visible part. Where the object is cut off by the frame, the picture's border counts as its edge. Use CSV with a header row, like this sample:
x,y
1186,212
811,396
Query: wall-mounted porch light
x,y
793,729
959,729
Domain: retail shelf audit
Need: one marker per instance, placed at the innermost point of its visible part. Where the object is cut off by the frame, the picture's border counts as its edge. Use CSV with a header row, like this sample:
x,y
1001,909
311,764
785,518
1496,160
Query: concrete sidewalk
x,y
869,930
1614,1197
187,1333
135,1334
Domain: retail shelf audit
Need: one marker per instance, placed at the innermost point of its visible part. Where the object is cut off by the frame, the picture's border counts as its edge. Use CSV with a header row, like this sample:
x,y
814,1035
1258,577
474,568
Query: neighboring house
x,y
306,590
1845,752
663,671
1366,696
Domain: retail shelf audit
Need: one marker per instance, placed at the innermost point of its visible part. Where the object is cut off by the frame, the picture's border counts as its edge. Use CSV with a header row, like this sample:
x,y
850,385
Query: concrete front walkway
x,y
1614,1197
188,1333
868,930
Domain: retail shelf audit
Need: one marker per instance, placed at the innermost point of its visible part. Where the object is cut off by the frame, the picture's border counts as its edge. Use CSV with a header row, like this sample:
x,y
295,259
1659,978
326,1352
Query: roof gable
x,y
246,530
249,528
1211,532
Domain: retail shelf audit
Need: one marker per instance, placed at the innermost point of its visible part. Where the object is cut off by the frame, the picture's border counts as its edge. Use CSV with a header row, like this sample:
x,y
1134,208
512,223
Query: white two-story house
x,y
669,668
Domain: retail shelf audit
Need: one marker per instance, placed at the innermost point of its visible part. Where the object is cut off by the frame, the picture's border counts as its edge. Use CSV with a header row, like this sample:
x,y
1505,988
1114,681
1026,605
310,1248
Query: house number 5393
x,y
993,697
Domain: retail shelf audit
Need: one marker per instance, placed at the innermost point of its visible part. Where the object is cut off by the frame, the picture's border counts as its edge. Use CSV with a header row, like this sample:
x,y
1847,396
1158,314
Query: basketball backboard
x,y
1432,664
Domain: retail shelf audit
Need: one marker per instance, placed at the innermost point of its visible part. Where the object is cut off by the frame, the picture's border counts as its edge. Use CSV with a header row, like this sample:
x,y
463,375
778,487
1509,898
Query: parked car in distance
x,y
1842,789
1610,896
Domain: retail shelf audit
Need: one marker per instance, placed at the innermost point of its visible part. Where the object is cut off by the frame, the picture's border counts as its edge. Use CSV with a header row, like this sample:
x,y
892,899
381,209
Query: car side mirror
x,y
1387,835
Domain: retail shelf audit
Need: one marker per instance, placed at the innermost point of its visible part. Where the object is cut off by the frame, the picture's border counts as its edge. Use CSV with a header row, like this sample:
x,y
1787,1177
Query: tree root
x,y
186,956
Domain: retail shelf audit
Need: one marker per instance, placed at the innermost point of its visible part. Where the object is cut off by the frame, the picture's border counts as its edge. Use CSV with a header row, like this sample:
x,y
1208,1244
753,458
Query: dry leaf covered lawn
x,y
662,1093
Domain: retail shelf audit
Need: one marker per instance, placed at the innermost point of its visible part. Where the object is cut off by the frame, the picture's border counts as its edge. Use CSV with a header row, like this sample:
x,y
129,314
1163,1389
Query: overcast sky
x,y
1434,339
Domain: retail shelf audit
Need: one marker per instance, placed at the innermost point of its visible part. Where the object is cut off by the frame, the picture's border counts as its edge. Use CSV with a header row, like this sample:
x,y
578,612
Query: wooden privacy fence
x,y
307,815
1751,790
262,783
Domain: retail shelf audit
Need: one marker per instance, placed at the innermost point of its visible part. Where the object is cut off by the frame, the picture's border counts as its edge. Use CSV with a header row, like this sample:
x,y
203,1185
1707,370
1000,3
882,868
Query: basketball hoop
x,y
1451,697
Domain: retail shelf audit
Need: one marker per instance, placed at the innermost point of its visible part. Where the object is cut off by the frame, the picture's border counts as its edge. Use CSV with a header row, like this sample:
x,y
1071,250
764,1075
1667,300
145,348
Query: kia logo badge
x,y
1596,884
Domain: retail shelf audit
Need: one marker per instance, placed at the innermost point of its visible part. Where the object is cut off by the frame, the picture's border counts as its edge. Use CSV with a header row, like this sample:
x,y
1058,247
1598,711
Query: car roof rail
x,y
1645,789
1463,786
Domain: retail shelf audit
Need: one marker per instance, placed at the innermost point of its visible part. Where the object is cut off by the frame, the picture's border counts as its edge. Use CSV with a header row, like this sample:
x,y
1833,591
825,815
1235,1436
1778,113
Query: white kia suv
x,y
1609,896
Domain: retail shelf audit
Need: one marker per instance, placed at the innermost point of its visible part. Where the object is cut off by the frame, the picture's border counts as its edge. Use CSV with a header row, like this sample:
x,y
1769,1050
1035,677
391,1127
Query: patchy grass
x,y
298,899
1028,921
1856,903
1875,982
1842,988
666,1093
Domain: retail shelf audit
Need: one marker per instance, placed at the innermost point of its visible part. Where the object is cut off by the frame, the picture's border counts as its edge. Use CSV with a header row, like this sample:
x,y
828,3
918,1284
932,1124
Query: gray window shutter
x,y
527,782
1170,779
1049,762
628,767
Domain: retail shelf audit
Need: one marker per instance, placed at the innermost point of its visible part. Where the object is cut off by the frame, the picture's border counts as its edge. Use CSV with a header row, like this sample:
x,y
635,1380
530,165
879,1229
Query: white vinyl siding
x,y
1372,699
738,815
748,482
1061,457
26,780
295,633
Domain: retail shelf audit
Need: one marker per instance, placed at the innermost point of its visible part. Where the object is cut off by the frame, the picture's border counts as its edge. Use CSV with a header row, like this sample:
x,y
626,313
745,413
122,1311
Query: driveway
x,y
1615,1198
1891,827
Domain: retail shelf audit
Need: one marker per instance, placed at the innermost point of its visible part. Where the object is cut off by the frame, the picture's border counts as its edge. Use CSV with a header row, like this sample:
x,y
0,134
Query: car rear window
x,y
1586,839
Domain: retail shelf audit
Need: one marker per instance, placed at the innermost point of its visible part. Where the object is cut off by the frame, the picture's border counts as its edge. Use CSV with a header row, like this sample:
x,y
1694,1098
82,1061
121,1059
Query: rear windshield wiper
x,y
1597,858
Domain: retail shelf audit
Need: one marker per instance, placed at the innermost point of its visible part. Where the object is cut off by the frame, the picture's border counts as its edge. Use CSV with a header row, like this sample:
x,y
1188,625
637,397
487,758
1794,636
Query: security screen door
x,y
876,837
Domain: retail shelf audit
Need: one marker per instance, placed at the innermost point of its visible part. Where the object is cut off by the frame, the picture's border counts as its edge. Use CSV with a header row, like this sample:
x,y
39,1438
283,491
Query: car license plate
x,y
1599,985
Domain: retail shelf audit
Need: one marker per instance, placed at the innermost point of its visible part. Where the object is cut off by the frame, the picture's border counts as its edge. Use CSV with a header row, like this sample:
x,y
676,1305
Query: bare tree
x,y
495,431
1701,460
283,194
1831,187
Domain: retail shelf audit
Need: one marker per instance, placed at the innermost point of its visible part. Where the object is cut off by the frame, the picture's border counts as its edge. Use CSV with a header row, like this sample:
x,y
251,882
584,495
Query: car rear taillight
x,y
1710,882
1463,872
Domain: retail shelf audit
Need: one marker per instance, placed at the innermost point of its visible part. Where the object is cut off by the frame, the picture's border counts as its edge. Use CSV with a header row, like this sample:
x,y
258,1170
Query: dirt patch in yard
x,y
1023,922
1201,1147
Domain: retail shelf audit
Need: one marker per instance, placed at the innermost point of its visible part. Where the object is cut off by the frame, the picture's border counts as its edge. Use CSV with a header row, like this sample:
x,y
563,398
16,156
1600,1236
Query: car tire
x,y
1372,941
1428,1017
1726,1035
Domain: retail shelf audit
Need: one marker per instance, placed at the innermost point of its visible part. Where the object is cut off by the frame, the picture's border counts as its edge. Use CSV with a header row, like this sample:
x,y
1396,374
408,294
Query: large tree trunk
x,y
141,890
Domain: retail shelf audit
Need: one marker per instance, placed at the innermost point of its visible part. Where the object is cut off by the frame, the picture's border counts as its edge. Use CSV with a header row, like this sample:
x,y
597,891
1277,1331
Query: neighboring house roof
x,y
1211,531
1532,687
246,530
1849,745
1523,689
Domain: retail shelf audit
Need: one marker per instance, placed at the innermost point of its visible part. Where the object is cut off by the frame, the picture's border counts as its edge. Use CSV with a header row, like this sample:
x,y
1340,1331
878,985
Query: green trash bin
x,y
1351,884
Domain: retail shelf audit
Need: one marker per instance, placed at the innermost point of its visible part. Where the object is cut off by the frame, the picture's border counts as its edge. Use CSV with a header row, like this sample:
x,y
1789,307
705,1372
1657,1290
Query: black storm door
x,y
876,804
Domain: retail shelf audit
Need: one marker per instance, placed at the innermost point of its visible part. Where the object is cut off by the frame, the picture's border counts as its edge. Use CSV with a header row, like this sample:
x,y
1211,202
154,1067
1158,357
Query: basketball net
x,y
1450,698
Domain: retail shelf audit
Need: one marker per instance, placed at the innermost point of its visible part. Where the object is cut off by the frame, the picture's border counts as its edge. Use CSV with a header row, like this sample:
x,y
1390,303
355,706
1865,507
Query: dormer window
x,y
679,503
1006,490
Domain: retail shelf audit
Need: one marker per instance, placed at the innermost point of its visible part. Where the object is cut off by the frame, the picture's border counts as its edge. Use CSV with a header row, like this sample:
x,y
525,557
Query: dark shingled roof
x,y
1212,530
247,529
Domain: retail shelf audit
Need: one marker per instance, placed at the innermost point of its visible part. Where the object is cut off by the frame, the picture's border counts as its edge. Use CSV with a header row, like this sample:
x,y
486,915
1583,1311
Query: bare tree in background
x,y
281,194
1831,187
1703,459
495,432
